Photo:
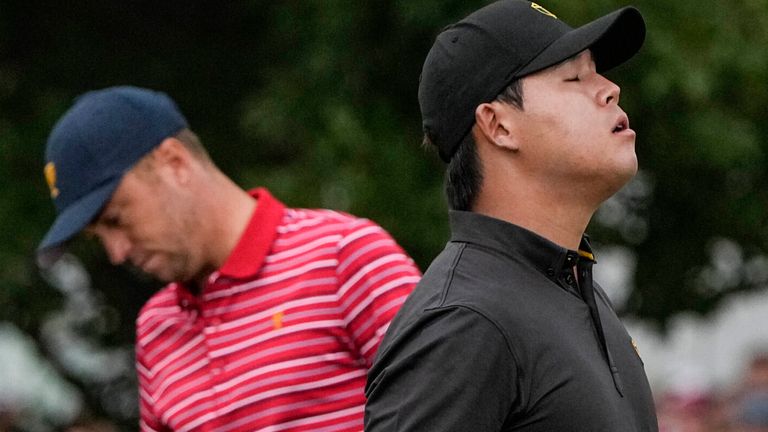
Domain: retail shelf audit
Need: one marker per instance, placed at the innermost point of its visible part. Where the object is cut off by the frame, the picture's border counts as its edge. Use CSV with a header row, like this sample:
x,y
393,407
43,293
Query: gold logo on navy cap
x,y
50,178
539,8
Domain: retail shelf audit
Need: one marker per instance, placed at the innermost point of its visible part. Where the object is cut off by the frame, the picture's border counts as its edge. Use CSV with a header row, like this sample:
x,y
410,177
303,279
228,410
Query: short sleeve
x,y
452,370
374,276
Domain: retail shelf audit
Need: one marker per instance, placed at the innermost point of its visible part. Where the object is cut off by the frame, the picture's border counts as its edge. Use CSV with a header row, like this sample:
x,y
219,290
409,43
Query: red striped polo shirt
x,y
282,335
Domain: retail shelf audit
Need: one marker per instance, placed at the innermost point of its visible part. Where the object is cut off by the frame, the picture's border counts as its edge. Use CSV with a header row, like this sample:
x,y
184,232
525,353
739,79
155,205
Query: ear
x,y
174,160
495,122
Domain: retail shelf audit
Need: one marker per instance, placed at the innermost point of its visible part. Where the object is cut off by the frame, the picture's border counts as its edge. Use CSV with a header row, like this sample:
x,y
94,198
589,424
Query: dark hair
x,y
464,174
193,144
189,140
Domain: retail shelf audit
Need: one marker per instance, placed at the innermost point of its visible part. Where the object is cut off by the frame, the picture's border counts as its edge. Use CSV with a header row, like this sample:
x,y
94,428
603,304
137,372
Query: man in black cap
x,y
506,331
271,316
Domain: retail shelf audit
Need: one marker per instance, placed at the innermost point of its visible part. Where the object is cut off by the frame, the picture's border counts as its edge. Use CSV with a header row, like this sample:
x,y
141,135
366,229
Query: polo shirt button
x,y
216,371
184,303
550,271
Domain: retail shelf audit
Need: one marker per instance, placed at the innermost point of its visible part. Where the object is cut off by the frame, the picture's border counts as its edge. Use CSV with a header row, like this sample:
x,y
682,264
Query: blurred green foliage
x,y
317,101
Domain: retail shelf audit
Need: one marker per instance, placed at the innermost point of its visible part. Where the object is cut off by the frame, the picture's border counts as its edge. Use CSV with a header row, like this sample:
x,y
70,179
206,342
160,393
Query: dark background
x,y
316,100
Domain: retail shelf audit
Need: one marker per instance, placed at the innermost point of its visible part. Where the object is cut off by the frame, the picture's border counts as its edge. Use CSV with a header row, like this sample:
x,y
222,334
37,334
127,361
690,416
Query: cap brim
x,y
71,221
613,39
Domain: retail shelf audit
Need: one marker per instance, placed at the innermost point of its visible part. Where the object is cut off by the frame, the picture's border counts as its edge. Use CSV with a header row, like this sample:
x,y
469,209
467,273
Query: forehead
x,y
584,56
580,60
124,195
127,189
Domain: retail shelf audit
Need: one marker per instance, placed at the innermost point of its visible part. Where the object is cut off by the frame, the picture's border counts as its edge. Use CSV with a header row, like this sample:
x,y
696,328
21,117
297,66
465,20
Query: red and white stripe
x,y
286,349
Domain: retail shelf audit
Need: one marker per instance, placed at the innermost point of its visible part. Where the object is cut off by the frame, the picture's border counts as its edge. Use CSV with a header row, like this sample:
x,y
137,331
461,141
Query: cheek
x,y
180,225
552,131
152,226
553,114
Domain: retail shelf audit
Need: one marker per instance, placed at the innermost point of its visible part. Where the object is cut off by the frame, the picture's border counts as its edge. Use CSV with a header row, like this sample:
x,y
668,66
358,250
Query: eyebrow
x,y
98,215
98,218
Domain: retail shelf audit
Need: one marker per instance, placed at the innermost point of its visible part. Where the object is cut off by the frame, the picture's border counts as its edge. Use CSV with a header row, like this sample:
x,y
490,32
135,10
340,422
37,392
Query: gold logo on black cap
x,y
540,8
50,178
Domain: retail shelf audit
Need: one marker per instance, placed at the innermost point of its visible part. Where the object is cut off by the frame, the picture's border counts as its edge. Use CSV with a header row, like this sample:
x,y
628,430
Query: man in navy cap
x,y
272,315
507,331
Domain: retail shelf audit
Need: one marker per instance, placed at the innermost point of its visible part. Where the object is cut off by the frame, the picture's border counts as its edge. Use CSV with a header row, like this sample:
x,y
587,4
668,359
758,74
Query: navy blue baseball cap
x,y
91,147
472,61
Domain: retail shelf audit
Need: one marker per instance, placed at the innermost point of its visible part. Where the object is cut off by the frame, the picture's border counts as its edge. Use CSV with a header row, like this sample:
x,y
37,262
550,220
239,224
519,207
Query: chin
x,y
626,167
162,277
620,180
632,170
629,172
166,275
616,179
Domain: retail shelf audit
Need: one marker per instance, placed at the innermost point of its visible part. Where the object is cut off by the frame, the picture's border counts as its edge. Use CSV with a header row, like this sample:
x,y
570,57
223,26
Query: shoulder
x,y
348,229
435,336
428,328
445,301
310,217
505,293
482,279
308,223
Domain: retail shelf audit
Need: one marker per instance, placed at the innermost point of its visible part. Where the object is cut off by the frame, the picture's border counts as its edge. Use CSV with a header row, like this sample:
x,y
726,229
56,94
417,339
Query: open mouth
x,y
623,124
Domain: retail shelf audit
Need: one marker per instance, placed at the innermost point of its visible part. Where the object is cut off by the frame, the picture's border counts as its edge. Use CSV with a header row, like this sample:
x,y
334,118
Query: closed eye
x,y
110,221
574,79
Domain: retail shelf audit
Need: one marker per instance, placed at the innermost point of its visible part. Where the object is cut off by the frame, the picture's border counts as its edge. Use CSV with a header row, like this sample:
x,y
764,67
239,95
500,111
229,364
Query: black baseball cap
x,y
91,147
472,61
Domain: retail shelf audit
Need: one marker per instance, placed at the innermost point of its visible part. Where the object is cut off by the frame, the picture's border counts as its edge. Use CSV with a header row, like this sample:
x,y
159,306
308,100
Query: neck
x,y
560,217
228,210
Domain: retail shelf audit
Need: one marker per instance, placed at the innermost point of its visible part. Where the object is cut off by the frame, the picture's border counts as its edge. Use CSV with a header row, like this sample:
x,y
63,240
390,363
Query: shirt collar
x,y
247,257
504,237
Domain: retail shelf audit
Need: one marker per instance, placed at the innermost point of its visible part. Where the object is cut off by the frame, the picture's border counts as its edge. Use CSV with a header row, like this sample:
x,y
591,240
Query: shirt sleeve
x,y
451,371
375,276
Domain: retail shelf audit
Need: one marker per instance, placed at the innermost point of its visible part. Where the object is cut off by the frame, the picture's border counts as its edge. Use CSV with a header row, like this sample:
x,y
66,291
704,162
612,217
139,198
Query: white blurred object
x,y
81,356
29,384
614,270
707,353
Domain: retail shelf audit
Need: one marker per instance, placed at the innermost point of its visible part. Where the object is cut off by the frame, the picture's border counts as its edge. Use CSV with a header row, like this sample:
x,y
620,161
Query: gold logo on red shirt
x,y
277,320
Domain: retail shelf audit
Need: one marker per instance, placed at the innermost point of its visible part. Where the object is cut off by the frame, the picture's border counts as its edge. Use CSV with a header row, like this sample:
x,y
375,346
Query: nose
x,y
117,246
608,91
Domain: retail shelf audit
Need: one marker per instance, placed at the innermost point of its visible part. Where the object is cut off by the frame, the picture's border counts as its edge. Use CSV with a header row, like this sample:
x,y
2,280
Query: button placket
x,y
211,328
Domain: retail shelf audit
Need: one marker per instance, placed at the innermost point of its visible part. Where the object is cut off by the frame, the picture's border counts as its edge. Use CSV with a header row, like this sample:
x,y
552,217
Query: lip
x,y
622,123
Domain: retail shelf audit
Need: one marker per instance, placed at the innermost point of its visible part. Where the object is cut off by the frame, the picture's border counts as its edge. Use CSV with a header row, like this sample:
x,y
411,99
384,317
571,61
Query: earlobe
x,y
496,125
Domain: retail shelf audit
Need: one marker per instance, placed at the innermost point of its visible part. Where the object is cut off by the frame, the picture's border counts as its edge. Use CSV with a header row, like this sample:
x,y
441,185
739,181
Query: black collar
x,y
509,239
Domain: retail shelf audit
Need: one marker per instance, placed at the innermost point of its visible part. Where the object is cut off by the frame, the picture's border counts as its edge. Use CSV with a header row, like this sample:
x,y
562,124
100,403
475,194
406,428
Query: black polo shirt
x,y
496,337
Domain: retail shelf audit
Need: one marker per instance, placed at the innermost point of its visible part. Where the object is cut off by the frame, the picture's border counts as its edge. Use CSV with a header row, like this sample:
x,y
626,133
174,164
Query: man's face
x,y
573,129
148,223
